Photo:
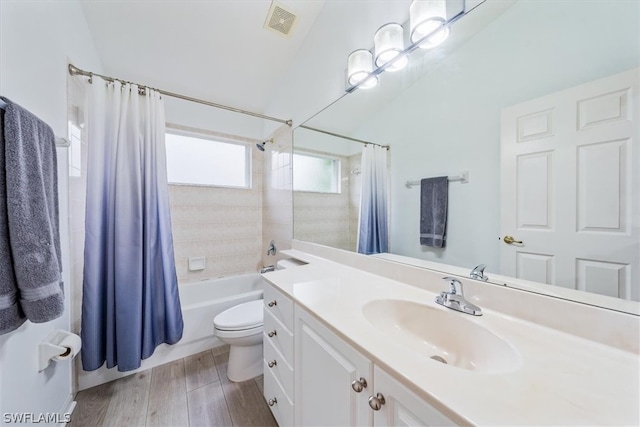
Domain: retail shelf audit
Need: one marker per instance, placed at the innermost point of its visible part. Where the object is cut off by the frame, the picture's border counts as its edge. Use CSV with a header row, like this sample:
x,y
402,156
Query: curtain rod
x,y
361,141
75,71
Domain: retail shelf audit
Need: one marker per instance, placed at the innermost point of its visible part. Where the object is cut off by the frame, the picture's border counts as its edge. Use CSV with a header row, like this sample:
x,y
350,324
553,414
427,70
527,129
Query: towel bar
x,y
463,178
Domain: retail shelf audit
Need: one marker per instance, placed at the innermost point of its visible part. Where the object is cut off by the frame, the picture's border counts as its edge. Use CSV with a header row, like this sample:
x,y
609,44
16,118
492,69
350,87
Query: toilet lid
x,y
243,316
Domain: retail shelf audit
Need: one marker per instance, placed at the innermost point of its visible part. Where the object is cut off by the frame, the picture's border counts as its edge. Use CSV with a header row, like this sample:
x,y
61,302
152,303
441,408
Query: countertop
x,y
560,379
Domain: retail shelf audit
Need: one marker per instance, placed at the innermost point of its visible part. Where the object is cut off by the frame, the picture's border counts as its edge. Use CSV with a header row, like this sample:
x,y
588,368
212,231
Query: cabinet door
x,y
325,367
402,407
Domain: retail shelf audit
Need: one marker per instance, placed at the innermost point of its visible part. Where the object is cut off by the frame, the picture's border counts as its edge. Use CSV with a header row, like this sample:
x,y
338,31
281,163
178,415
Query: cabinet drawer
x,y
282,410
281,370
282,339
279,305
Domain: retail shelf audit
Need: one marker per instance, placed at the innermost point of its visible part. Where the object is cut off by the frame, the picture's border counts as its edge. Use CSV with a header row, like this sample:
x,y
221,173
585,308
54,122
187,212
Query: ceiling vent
x,y
279,19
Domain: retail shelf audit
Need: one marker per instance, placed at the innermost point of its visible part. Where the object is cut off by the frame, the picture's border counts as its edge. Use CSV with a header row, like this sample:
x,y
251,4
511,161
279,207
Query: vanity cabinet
x,y
278,355
335,385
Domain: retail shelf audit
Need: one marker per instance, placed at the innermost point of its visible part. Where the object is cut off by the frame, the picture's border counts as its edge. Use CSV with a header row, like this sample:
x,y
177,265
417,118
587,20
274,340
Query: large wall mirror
x,y
538,102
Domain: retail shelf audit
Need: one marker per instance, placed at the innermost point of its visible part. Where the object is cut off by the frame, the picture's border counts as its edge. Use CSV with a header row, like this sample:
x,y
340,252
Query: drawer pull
x,y
359,385
272,363
272,334
272,303
273,401
376,402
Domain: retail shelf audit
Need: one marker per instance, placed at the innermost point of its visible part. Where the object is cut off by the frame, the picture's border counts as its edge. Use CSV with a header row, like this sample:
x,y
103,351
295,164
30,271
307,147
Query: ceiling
x,y
217,50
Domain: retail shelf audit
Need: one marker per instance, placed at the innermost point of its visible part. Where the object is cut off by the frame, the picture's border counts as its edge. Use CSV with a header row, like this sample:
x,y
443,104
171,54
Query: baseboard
x,y
67,409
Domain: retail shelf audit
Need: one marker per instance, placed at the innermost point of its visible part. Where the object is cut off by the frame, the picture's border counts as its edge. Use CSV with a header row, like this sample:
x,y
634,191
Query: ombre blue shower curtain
x,y
373,227
130,301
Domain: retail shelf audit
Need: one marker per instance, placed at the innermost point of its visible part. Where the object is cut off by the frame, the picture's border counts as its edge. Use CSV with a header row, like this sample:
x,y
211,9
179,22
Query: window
x,y
199,160
316,173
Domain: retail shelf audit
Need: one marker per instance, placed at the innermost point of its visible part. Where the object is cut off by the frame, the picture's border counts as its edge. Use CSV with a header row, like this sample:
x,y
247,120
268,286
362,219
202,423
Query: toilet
x,y
241,328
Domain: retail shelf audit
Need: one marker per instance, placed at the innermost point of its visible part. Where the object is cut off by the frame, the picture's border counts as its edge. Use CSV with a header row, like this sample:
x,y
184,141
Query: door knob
x,y
272,334
509,240
272,363
359,385
272,303
273,401
376,402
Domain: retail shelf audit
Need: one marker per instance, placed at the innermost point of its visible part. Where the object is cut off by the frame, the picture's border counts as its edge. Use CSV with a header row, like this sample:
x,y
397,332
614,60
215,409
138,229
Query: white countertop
x,y
561,379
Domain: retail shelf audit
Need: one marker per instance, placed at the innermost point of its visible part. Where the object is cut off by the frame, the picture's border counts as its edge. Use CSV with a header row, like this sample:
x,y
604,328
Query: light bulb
x,y
428,17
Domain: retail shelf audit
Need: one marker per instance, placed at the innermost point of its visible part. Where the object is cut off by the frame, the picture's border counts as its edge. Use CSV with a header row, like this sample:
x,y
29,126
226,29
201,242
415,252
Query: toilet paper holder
x,y
58,345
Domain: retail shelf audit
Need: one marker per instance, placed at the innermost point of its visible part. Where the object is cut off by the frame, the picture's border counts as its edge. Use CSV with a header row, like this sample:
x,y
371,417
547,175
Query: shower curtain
x,y
373,231
130,301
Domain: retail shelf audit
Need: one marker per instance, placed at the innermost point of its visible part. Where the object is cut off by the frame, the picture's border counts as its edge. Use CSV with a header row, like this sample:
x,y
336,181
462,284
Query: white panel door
x,y
570,184
403,408
325,367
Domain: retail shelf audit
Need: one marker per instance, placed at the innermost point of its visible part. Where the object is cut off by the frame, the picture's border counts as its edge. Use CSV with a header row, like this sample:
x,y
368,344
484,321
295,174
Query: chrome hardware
x,y
272,248
376,402
272,303
455,300
509,240
359,385
267,269
272,363
273,401
478,273
272,334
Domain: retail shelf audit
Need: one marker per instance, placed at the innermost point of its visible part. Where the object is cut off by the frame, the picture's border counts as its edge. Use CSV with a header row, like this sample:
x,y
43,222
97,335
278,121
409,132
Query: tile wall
x,y
223,225
328,218
277,208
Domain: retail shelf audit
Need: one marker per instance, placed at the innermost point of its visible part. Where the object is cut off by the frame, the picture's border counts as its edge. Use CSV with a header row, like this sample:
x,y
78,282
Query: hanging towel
x,y
11,316
433,211
32,213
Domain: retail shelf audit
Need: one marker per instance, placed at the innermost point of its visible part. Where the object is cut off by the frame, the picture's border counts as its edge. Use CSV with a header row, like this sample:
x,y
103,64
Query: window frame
x,y
338,170
213,137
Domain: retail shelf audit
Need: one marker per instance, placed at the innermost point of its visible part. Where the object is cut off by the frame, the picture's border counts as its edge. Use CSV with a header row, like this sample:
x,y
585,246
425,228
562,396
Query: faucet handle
x,y
478,273
453,285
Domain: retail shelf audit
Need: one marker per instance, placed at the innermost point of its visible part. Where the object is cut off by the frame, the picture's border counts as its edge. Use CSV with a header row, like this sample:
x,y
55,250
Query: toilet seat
x,y
242,317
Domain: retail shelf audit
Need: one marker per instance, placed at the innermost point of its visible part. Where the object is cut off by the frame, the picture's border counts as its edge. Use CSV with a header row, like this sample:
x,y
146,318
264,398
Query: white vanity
x,y
355,348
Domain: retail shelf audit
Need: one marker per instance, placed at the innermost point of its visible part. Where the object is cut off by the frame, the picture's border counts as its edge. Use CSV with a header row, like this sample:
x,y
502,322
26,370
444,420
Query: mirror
x,y
443,117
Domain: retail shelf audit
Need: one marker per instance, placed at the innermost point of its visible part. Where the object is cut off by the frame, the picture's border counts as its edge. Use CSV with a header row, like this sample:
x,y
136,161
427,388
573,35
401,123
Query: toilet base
x,y
245,362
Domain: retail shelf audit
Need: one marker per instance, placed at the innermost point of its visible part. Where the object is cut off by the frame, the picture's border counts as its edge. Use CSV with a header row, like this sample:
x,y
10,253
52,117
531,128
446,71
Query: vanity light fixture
x,y
359,69
428,26
428,18
389,43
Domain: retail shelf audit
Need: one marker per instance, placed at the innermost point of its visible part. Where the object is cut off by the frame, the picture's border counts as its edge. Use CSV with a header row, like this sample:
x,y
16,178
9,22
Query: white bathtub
x,y
202,301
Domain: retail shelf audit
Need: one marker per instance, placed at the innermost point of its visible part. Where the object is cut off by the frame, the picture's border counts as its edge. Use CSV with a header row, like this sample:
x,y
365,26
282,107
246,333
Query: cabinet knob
x,y
272,334
376,402
272,303
359,385
272,363
273,401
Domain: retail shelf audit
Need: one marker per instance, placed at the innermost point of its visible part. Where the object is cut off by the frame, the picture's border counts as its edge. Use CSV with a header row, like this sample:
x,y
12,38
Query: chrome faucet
x,y
455,300
267,268
478,273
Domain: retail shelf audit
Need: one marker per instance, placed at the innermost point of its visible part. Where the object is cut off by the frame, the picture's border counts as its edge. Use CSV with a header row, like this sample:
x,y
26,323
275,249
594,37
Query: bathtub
x,y
202,301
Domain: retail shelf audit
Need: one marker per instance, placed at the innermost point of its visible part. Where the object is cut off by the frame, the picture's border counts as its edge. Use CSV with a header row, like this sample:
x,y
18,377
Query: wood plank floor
x,y
193,391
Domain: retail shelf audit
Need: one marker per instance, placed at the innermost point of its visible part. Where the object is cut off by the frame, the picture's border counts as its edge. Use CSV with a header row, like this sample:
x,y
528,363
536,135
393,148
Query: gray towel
x,y
32,212
11,315
433,211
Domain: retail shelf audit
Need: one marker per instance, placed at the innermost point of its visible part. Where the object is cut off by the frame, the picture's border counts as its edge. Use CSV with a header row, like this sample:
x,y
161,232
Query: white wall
x,y
449,121
36,41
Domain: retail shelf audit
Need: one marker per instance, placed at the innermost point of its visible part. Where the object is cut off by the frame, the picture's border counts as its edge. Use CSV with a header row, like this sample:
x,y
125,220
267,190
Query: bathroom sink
x,y
443,336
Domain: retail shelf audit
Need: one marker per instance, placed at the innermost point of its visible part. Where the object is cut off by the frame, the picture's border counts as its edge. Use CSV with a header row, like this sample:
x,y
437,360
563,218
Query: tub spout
x,y
267,268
